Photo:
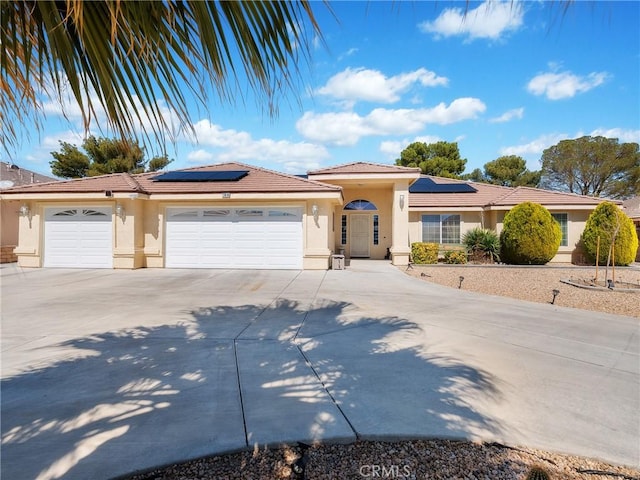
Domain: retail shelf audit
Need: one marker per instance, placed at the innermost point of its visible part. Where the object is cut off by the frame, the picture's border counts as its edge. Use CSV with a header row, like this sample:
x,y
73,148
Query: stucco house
x,y
12,175
234,215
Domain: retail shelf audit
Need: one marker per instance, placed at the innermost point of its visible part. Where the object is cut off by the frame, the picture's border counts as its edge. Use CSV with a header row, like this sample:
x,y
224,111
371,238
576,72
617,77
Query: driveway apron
x,y
106,373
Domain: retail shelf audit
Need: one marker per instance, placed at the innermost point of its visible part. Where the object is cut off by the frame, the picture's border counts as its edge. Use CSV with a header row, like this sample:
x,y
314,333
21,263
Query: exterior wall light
x,y
25,211
314,211
120,213
401,202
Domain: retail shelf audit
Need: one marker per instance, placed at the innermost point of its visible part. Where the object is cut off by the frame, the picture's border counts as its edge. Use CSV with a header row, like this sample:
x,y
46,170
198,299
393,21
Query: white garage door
x,y
78,237
262,238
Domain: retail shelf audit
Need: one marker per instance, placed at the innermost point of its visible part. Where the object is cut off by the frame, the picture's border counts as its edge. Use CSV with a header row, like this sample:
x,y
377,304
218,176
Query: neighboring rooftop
x,y
11,175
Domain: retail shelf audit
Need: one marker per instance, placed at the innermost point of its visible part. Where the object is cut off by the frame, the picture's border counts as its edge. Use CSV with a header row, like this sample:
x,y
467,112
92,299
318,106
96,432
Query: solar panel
x,y
426,185
202,176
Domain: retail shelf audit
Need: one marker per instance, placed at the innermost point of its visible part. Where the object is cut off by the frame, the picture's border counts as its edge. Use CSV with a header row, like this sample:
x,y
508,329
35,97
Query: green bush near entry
x,y
530,235
424,253
482,244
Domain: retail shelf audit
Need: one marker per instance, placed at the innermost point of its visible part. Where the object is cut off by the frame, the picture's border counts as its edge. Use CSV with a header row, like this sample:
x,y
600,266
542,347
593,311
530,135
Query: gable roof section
x,y
363,167
488,195
259,180
545,197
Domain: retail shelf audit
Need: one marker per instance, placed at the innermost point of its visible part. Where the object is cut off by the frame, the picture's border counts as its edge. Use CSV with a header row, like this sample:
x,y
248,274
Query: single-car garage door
x,y
78,237
261,238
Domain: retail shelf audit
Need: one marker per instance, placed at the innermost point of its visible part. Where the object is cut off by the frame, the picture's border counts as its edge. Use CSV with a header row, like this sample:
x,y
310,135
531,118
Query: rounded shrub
x,y
530,235
607,221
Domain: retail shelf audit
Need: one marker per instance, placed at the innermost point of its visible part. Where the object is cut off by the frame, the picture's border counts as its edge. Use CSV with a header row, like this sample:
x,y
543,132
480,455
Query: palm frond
x,y
114,55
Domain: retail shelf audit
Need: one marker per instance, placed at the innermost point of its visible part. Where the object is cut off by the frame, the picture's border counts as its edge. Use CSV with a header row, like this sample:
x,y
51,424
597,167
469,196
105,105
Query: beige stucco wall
x,y
9,214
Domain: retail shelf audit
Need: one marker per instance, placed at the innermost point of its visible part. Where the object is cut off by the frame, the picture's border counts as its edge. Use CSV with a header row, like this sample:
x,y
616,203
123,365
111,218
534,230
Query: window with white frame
x,y
562,220
443,228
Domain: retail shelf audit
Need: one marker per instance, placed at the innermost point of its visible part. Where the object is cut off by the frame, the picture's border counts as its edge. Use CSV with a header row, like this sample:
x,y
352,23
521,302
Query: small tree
x,y
441,159
530,235
613,227
103,156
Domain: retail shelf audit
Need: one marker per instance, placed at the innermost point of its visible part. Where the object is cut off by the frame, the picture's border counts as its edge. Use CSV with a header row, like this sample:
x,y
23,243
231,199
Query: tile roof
x,y
363,167
259,180
10,172
496,195
485,194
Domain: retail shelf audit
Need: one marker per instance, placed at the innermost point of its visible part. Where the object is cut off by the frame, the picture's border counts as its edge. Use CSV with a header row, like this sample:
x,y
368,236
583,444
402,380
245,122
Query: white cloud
x,y
346,128
392,148
536,146
623,135
491,20
509,115
556,86
233,145
200,156
373,86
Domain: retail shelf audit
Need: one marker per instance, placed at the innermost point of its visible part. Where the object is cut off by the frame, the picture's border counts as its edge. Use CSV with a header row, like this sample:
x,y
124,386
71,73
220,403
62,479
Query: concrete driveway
x,y
106,372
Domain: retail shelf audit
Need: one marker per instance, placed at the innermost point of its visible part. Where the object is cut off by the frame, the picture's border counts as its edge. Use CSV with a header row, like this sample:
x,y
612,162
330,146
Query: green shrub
x,y
455,257
530,235
424,252
603,222
482,244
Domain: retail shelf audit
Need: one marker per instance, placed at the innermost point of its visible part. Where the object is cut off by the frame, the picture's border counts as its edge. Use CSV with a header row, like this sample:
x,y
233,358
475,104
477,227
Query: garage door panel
x,y
78,237
234,238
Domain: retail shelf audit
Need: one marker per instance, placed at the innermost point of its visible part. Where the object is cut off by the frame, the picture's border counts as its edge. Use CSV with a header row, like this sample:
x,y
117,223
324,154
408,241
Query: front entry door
x,y
360,228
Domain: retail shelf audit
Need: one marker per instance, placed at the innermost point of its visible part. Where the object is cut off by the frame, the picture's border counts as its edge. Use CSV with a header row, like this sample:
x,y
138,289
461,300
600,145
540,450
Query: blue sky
x,y
507,78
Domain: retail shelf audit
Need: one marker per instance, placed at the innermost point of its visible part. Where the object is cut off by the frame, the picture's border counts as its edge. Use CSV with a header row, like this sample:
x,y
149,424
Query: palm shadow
x,y
233,377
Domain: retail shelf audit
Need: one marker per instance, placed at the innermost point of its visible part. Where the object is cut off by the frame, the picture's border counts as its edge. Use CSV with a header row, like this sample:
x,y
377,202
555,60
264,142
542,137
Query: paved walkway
x,y
108,372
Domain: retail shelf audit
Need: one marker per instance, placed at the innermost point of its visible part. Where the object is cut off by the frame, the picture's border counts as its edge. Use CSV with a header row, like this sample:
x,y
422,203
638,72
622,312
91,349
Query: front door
x,y
360,223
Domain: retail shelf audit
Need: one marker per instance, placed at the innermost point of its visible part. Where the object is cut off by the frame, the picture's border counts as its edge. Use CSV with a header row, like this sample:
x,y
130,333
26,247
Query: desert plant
x,y
538,473
455,257
482,244
530,235
423,253
611,224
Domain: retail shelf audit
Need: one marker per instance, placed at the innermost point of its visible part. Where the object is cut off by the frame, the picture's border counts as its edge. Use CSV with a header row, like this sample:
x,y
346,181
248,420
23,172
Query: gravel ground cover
x,y
437,459
420,459
536,284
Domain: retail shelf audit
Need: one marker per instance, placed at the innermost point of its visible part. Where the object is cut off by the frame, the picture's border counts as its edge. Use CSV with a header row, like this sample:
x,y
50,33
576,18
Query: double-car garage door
x,y
261,238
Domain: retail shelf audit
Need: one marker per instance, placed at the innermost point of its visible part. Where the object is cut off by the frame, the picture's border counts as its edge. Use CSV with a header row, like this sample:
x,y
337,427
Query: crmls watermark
x,y
385,471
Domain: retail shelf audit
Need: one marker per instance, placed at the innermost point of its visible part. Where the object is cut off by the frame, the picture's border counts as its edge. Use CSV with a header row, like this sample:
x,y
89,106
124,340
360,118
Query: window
x,y
376,230
561,218
441,228
343,237
360,205
216,213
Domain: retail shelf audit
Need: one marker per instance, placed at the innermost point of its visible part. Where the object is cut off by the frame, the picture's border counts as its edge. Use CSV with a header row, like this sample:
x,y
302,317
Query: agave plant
x,y
482,244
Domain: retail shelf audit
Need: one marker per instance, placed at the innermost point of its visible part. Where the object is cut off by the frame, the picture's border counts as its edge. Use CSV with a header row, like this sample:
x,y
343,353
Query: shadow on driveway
x,y
229,378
